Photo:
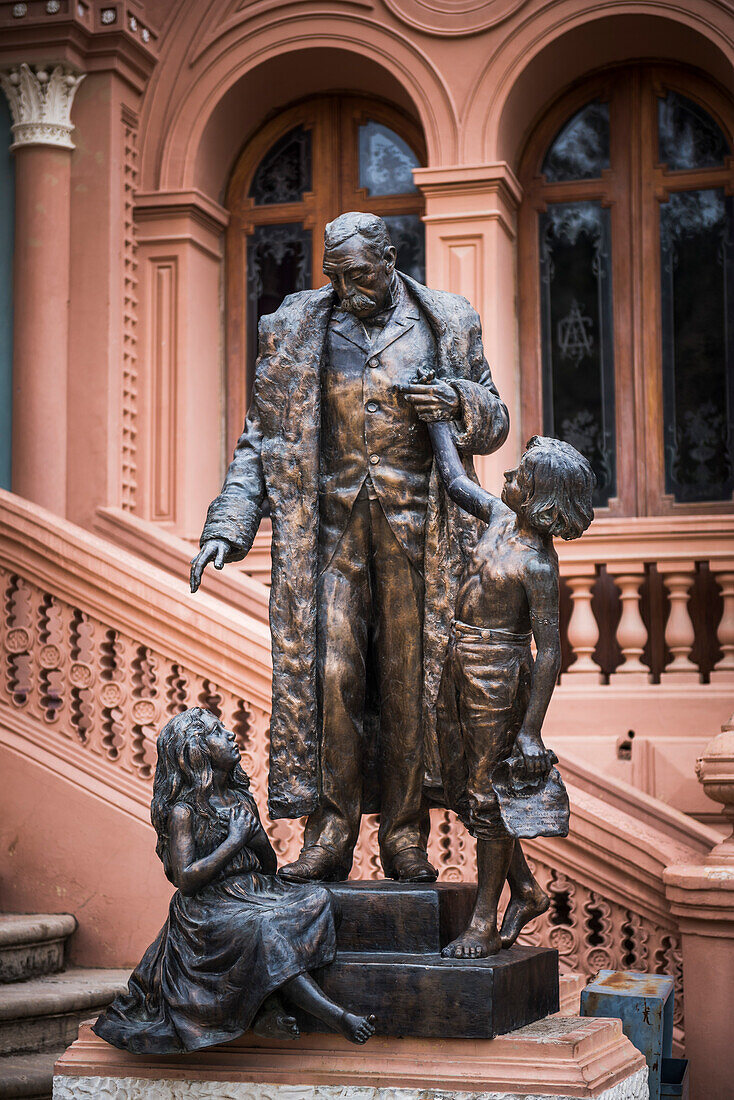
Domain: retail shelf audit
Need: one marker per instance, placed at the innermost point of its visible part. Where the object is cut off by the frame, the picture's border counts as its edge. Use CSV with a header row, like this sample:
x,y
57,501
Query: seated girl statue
x,y
493,697
237,938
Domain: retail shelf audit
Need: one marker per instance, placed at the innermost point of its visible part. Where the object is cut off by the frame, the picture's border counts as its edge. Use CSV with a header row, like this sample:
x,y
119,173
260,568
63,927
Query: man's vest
x,y
369,430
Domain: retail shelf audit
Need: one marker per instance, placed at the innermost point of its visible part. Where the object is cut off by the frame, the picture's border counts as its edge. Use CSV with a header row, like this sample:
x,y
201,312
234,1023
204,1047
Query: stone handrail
x,y
102,647
671,556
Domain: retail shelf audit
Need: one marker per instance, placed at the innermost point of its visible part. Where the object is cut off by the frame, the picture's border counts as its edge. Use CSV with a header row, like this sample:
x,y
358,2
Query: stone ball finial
x,y
715,772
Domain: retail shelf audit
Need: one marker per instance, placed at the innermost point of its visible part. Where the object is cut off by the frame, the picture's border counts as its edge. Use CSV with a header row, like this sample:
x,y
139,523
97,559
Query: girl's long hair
x,y
184,774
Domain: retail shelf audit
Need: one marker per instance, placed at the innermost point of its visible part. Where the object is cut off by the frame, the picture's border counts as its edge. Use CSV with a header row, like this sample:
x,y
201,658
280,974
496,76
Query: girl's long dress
x,y
219,955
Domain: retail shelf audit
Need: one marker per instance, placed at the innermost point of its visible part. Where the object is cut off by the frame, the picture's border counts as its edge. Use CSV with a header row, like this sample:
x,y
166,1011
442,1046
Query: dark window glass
x,y
284,173
687,135
698,362
386,162
278,263
580,150
408,234
578,357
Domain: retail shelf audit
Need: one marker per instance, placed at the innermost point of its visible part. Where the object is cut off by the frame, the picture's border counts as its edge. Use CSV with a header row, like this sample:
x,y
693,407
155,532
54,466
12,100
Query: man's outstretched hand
x,y
216,550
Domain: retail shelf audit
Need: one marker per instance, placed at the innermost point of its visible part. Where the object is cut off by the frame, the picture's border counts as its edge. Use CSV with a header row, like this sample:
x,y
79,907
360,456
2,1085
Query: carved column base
x,y
558,1058
702,901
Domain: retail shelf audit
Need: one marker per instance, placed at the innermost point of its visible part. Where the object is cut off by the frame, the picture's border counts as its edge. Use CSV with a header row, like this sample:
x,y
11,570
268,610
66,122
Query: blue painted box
x,y
644,1004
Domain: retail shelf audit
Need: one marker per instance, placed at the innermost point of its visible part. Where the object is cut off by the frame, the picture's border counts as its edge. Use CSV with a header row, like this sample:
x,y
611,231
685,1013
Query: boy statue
x,y
497,773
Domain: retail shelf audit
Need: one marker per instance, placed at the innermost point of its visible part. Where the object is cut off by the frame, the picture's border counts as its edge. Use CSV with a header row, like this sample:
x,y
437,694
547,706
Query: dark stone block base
x,y
389,963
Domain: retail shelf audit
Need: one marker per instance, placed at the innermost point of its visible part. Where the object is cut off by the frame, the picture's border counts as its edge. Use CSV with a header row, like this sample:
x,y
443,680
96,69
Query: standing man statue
x,y
367,546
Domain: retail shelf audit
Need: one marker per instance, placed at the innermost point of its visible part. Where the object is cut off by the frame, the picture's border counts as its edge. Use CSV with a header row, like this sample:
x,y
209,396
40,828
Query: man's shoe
x,y
315,864
411,865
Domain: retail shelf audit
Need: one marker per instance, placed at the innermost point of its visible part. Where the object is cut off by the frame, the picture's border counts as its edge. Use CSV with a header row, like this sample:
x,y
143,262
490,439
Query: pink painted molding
x,y
635,539
576,1056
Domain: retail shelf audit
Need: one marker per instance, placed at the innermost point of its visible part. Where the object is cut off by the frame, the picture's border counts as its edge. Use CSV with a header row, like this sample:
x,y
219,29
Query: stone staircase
x,y
41,1002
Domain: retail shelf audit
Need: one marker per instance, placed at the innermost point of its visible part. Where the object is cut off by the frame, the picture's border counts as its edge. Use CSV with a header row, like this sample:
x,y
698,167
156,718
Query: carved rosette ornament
x,y
40,99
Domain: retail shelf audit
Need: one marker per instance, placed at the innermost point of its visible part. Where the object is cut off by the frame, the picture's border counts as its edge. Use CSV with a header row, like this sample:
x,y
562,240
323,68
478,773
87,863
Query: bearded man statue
x,y
367,548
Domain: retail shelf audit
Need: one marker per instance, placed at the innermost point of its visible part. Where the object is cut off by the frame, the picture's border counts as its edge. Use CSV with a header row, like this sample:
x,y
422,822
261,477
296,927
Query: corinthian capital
x,y
40,101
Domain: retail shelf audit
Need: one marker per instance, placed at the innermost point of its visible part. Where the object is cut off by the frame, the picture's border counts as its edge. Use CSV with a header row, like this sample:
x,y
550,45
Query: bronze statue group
x,y
405,602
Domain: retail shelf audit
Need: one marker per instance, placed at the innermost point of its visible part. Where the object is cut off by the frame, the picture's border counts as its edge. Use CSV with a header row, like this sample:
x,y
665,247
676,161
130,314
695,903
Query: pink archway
x,y
555,47
218,96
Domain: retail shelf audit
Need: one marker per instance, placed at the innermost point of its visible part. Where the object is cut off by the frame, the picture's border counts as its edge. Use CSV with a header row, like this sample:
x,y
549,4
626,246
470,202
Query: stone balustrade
x,y
650,601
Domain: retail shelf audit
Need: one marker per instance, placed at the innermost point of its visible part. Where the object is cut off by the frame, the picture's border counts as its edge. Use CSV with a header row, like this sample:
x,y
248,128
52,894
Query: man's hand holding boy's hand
x,y
530,757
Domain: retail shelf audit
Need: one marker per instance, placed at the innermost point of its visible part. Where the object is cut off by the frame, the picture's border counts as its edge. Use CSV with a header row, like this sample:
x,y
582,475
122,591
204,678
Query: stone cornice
x,y
159,204
469,179
125,46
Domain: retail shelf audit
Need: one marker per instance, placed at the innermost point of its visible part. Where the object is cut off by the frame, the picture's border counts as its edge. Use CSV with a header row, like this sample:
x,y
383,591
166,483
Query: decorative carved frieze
x,y
40,99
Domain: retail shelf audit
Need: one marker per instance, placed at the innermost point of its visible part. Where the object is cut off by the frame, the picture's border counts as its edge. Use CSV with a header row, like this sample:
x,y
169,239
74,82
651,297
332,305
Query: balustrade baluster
x,y
724,669
631,632
583,631
678,578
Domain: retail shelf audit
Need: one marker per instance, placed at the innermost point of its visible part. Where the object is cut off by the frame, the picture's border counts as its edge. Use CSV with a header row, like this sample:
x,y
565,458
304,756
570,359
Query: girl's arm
x,y
460,487
261,846
191,875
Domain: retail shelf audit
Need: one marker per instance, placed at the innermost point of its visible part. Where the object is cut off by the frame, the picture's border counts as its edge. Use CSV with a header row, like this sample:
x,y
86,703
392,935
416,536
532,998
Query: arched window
x,y
311,163
627,287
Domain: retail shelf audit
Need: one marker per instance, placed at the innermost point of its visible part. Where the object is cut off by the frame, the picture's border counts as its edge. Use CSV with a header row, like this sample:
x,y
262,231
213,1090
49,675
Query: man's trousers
x,y
369,595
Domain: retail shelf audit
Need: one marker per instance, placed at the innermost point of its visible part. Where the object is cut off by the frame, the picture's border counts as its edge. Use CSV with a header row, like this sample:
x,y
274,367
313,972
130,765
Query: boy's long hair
x,y
557,485
184,774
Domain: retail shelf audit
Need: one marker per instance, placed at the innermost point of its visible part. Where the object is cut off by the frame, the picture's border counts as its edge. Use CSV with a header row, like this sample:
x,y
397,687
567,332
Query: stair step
x,y
28,1076
45,1013
32,944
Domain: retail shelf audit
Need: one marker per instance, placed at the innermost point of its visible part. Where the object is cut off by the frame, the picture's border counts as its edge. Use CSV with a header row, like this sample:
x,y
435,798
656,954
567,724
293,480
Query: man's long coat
x,y
277,456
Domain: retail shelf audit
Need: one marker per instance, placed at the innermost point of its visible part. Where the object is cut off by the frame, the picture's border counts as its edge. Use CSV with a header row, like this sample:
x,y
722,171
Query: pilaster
x,y
470,248
41,98
180,242
701,899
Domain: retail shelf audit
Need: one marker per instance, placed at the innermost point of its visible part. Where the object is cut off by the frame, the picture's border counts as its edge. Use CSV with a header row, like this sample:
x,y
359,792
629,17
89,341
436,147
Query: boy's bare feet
x,y
358,1029
478,941
522,908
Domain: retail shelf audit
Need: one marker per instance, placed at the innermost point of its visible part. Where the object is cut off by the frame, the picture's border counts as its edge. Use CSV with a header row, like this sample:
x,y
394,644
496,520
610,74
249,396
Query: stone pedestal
x,y
555,1059
389,964
702,900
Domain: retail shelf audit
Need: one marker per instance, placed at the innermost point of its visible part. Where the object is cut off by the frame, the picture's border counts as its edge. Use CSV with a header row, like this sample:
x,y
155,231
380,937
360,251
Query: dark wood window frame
x,y
633,188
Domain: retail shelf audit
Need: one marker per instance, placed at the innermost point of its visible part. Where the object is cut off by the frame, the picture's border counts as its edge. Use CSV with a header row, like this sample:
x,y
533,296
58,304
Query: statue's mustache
x,y
356,302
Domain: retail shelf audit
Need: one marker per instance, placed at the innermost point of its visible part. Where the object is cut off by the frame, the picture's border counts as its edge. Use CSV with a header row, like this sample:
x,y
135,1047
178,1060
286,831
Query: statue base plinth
x,y
389,964
558,1058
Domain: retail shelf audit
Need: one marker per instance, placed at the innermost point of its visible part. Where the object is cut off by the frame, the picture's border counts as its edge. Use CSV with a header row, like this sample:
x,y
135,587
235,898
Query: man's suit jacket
x,y
368,428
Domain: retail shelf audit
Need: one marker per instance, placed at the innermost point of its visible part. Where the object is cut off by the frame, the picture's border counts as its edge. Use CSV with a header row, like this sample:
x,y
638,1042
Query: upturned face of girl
x,y
222,747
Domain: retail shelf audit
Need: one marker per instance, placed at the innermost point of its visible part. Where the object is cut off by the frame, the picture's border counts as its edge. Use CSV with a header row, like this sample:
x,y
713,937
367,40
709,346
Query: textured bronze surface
x,y
368,547
239,943
497,773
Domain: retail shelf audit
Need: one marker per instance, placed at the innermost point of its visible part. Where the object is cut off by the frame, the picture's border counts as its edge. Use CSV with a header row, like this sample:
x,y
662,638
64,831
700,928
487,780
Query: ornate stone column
x,y
40,98
701,897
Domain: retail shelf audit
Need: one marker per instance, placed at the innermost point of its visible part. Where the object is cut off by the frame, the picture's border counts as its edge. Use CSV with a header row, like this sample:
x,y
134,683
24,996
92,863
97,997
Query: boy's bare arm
x,y
541,587
460,487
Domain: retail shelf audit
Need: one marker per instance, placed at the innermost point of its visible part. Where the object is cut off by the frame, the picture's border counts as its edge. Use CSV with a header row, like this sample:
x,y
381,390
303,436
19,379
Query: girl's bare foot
x,y
477,942
521,910
273,1022
358,1029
